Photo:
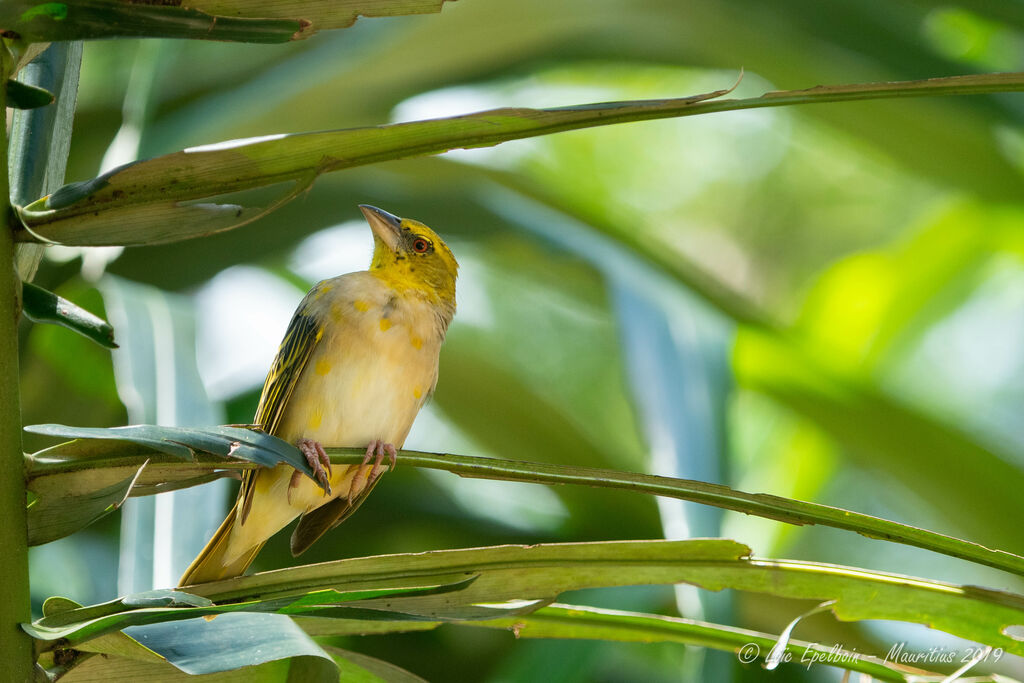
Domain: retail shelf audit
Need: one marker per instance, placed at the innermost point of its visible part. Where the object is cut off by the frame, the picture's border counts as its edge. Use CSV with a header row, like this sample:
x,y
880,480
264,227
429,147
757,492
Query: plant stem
x,y
15,607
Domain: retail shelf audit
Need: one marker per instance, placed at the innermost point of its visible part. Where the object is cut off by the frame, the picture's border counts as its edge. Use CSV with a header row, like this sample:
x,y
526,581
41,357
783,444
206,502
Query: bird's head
x,y
411,256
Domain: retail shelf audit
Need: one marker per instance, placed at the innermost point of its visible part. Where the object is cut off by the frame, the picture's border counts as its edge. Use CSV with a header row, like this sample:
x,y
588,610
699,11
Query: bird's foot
x,y
376,452
318,461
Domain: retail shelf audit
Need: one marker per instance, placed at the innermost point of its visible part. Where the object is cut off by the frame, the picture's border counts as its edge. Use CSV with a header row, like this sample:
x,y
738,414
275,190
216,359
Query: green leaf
x,y
763,505
77,214
578,621
43,306
163,606
22,96
231,641
543,571
66,462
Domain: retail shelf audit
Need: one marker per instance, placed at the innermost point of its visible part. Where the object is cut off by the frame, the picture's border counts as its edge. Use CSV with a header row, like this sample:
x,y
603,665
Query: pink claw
x,y
375,451
318,460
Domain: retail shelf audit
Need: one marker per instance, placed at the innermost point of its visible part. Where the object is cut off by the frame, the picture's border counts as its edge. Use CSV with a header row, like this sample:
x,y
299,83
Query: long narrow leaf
x,y
77,213
182,442
578,621
546,570
66,462
41,138
164,606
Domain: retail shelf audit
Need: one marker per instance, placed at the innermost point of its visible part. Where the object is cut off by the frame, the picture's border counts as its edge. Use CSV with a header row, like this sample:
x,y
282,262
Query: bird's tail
x,y
211,564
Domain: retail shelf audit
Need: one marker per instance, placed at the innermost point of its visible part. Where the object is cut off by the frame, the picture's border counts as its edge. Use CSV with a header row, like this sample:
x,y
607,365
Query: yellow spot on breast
x,y
417,392
321,290
315,419
385,324
417,343
361,306
336,313
322,367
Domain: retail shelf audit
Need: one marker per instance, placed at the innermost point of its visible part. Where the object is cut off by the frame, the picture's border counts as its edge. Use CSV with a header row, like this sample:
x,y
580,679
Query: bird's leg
x,y
375,451
318,460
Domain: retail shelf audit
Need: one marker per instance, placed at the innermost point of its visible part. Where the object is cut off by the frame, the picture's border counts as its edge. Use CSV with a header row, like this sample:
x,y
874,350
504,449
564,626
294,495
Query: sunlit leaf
x,y
578,621
79,209
545,570
49,464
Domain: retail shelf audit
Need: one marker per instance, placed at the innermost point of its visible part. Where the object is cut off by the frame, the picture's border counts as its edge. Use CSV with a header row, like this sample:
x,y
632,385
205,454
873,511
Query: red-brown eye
x,y
421,245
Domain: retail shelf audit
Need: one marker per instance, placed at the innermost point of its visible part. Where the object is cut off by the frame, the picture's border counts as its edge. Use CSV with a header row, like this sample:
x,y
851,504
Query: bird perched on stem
x,y
357,363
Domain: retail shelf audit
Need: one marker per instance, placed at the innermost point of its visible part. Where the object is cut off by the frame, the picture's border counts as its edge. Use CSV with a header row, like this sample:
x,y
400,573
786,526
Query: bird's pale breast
x,y
368,376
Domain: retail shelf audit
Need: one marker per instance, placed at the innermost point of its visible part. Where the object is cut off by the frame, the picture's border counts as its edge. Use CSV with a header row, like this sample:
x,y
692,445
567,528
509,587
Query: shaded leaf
x,y
59,511
92,19
43,306
183,442
23,96
40,138
251,21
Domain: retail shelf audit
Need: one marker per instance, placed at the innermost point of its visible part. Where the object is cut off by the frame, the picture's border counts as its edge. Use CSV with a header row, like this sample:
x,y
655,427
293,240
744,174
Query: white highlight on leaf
x,y
232,144
775,655
978,656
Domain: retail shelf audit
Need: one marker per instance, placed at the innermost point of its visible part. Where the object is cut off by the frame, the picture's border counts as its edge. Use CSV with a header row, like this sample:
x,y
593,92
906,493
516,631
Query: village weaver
x,y
357,362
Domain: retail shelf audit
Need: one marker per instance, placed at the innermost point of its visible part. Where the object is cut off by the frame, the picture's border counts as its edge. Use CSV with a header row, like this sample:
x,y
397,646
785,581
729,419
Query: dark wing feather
x,y
303,334
315,523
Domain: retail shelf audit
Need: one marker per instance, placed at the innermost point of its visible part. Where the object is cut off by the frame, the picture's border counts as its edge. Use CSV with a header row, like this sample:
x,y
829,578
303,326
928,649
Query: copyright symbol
x,y
749,653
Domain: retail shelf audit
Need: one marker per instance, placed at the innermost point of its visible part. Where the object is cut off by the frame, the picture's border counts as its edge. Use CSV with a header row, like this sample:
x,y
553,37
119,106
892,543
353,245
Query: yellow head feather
x,y
412,258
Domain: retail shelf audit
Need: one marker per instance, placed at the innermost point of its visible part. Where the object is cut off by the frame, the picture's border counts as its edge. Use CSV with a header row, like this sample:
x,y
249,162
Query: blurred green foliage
x,y
884,237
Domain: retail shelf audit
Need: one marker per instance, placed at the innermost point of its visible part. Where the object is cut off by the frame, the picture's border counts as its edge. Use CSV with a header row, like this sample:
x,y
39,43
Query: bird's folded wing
x,y
303,334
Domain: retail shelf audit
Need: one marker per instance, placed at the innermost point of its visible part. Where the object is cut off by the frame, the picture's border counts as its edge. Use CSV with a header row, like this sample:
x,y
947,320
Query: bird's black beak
x,y
386,227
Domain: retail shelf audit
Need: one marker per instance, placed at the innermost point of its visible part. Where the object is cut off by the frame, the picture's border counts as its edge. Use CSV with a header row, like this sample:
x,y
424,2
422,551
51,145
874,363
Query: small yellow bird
x,y
357,362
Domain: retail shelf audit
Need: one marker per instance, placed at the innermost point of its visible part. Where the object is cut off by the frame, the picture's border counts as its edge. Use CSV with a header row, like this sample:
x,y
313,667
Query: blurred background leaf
x,y
882,239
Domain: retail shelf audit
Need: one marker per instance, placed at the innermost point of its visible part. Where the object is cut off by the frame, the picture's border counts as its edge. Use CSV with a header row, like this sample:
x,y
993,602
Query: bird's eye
x,y
421,245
